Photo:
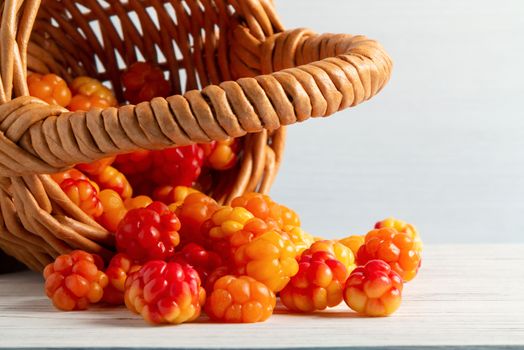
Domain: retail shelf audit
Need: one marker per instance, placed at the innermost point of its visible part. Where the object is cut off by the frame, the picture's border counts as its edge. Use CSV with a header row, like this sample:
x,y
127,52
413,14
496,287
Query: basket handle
x,y
331,72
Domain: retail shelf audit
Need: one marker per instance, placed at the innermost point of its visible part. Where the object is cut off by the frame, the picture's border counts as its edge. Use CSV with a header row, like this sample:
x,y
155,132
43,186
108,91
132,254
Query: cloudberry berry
x,y
110,178
165,293
263,207
84,195
202,260
149,233
137,202
240,300
173,195
75,280
353,242
393,247
96,167
194,211
177,166
404,227
300,238
339,251
143,81
113,210
221,155
89,93
120,267
138,162
269,257
318,284
373,289
49,88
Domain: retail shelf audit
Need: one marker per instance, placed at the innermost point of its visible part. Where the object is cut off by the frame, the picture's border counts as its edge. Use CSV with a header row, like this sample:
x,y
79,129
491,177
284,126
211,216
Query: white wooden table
x,y
465,296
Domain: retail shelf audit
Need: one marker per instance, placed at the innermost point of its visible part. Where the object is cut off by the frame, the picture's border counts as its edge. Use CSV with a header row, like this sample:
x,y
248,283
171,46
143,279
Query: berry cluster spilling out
x,y
178,251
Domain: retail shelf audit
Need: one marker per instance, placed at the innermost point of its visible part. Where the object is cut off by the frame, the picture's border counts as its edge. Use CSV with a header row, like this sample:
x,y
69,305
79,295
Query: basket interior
x,y
187,38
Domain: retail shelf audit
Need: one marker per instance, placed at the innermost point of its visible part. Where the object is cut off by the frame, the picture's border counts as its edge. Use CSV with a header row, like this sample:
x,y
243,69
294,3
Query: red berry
x,y
393,247
138,162
177,166
120,267
240,300
75,280
149,233
143,81
339,251
373,289
203,261
318,284
165,293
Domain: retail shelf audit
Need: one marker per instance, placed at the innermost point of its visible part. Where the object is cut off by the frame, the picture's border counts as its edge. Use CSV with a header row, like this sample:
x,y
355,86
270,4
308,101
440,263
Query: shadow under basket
x,y
236,73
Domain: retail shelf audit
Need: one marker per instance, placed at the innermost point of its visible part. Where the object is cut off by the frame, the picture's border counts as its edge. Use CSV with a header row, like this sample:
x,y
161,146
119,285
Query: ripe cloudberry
x,y
269,257
339,251
177,166
225,222
138,162
120,267
137,202
300,238
84,195
196,208
110,178
173,195
75,280
149,233
49,88
318,284
393,247
202,260
404,227
143,81
353,242
96,167
240,300
90,93
114,210
214,276
263,207
221,155
373,289
165,293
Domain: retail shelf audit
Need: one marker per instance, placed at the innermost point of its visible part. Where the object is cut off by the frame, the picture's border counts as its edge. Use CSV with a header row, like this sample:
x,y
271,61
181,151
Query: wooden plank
x,y
465,296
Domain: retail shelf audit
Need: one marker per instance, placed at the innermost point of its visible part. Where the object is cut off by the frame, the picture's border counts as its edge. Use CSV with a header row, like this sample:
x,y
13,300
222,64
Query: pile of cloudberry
x,y
179,253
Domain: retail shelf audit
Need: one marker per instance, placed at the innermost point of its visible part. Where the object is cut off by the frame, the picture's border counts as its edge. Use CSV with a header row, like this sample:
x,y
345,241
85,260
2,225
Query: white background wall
x,y
442,146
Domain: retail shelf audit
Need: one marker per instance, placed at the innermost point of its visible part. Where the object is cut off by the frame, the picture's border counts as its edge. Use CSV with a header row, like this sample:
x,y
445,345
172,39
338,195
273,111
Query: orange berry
x,y
49,88
240,300
75,280
90,93
340,251
96,167
114,209
353,242
395,248
404,227
194,211
120,267
267,256
84,195
110,178
137,202
221,155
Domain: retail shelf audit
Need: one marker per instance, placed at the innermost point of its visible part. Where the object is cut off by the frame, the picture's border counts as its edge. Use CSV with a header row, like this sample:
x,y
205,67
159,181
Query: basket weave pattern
x,y
236,73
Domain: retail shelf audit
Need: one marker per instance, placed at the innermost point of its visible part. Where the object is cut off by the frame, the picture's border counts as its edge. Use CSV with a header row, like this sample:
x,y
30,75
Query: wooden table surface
x,y
466,296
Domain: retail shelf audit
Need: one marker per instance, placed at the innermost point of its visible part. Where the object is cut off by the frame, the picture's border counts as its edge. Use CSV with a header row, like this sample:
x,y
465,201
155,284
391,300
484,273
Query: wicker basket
x,y
236,71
